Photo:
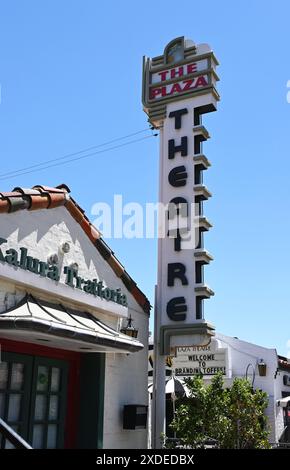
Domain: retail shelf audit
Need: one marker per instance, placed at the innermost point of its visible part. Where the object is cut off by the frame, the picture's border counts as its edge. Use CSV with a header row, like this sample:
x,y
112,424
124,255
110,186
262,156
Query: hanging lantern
x,y
129,329
262,367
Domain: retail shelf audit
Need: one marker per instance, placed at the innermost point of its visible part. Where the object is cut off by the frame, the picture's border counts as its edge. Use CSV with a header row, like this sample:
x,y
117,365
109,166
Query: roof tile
x,y
74,211
26,191
117,267
76,204
128,281
49,189
18,203
64,187
56,200
104,249
10,194
39,202
90,230
4,206
140,298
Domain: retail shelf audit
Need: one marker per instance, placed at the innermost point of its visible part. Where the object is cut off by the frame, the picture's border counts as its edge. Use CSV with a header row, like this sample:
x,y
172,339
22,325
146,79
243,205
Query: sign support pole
x,y
158,408
159,378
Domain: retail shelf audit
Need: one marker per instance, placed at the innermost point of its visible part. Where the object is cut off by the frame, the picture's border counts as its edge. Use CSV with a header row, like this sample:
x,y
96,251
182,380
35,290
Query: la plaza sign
x,y
186,76
176,88
183,71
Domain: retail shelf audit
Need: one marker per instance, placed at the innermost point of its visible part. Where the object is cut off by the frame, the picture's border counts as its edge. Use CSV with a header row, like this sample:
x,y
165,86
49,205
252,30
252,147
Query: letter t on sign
x,y
177,117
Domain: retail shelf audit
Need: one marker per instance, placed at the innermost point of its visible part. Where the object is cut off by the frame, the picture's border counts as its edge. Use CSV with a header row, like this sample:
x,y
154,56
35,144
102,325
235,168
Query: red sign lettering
x,y
191,68
179,87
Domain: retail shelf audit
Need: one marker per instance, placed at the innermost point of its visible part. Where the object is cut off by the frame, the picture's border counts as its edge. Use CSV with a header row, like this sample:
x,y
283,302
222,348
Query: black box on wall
x,y
135,417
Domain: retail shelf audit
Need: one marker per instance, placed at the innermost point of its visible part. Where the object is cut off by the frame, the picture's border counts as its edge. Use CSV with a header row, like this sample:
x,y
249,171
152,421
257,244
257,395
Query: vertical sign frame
x,y
178,88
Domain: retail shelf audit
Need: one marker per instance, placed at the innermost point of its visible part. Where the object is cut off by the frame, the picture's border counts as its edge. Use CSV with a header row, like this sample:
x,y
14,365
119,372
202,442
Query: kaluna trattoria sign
x,y
20,258
195,360
178,88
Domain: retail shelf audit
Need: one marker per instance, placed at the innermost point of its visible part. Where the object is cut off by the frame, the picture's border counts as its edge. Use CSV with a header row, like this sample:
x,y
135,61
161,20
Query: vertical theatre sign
x,y
178,88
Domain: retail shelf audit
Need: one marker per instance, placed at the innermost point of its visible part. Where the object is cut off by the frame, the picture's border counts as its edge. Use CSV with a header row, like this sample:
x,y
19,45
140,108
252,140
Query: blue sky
x,y
70,75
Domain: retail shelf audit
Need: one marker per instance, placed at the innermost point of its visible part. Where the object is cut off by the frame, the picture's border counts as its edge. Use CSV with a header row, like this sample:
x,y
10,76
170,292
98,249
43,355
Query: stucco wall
x,y
126,384
280,387
42,233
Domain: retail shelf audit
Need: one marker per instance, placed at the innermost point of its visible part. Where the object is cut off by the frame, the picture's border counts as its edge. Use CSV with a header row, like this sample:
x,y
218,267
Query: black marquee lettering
x,y
198,139
177,176
177,241
176,309
176,271
177,117
173,149
208,108
177,206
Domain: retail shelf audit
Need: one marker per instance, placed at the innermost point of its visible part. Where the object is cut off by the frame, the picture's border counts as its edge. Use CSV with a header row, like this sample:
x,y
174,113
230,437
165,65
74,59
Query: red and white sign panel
x,y
189,77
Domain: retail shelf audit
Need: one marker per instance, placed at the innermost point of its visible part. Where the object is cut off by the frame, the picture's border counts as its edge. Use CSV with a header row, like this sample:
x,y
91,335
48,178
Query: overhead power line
x,y
40,167
37,165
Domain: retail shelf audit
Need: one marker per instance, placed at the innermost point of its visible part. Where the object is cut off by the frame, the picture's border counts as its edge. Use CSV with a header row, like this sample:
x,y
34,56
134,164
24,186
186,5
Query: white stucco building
x,y
69,362
263,367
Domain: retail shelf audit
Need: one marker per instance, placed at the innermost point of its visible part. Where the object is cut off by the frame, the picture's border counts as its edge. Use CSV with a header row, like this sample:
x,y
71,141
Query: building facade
x,y
70,366
263,367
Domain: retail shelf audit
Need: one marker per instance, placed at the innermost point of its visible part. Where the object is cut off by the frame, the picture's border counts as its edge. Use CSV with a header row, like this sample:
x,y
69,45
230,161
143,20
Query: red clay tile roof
x,y
44,197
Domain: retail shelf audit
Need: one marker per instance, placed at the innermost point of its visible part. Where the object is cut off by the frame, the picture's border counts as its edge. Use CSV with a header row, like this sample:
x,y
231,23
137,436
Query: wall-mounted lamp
x,y
262,368
129,328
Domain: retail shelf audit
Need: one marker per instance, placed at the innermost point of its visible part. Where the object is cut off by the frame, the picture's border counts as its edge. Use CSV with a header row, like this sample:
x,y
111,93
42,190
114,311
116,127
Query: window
x,y
33,399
